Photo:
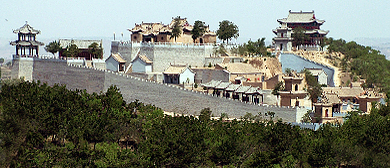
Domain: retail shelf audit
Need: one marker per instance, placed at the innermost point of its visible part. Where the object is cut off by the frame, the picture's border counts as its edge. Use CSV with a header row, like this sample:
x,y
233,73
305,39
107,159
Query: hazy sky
x,y
345,19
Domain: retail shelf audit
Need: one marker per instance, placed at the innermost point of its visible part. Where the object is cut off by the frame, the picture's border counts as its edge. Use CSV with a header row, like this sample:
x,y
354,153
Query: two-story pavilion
x,y
307,20
26,44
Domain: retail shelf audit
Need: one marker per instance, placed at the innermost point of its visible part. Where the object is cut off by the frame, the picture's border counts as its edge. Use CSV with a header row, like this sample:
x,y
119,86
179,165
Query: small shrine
x,y
26,44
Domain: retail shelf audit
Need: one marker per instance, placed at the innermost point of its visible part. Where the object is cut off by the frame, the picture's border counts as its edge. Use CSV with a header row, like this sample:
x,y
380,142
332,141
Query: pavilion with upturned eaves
x,y
26,45
307,20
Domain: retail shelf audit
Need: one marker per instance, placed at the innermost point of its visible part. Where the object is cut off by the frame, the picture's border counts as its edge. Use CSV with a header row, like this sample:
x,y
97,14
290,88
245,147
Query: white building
x,y
115,63
142,64
179,74
320,75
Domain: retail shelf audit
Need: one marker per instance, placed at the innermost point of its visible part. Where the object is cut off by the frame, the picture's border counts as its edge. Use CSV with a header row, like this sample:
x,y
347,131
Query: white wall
x,y
112,64
141,67
322,78
187,74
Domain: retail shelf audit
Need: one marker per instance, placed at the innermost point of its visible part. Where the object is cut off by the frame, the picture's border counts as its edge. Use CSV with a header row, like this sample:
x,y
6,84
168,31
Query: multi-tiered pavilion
x,y
307,20
26,45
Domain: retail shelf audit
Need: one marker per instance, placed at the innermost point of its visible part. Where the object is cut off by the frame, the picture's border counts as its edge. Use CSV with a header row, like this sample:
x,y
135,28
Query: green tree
x,y
95,51
1,61
205,115
53,47
198,30
314,88
278,87
299,36
257,48
227,30
176,29
71,51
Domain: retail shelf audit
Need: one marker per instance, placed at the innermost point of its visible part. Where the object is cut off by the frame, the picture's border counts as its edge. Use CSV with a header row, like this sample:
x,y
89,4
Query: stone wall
x,y
169,98
164,54
22,68
206,75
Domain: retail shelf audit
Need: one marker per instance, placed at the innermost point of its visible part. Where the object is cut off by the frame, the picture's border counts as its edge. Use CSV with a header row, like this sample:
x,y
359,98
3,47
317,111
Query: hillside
x,y
326,58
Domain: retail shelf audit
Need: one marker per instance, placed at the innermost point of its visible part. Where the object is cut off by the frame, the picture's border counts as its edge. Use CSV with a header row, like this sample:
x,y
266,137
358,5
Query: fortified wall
x,y
169,98
163,54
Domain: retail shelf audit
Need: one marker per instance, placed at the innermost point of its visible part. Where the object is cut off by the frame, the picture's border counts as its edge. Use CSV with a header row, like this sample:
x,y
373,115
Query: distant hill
x,y
381,44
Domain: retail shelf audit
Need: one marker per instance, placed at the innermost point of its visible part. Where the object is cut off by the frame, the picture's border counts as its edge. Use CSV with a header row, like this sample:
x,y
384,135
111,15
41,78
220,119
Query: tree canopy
x,y
51,126
71,51
53,47
198,30
177,29
314,88
299,36
227,30
95,50
364,62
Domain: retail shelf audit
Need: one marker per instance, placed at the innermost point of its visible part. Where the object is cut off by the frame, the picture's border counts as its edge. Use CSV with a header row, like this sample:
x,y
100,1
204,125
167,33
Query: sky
x,y
80,19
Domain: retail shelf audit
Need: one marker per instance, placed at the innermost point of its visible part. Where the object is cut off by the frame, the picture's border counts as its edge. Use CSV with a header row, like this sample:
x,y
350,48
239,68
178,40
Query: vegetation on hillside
x,y
252,48
365,62
44,126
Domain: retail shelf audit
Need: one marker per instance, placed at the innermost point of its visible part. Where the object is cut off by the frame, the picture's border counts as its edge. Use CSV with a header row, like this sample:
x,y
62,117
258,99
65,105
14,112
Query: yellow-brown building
x,y
342,100
294,93
159,32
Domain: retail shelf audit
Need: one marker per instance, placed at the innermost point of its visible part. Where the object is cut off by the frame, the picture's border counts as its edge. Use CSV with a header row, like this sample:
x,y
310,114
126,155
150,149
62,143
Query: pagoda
x,y
307,20
26,45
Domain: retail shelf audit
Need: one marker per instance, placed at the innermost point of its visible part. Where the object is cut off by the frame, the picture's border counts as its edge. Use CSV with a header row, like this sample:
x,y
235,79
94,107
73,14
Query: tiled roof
x,y
243,89
254,90
211,84
26,43
176,69
156,28
81,44
316,71
239,68
315,31
232,87
118,58
145,59
330,98
344,91
222,85
26,29
300,17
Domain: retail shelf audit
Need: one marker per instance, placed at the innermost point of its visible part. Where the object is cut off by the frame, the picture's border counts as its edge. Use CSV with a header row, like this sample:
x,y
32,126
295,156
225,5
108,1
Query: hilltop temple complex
x,y
159,32
284,40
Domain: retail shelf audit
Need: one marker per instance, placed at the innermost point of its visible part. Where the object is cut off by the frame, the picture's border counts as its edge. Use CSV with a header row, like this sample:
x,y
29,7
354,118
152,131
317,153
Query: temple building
x,y
26,45
284,40
159,32
294,93
338,101
83,47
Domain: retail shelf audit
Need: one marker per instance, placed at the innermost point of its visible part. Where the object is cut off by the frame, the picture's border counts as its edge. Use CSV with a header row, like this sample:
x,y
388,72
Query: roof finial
x,y
26,21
